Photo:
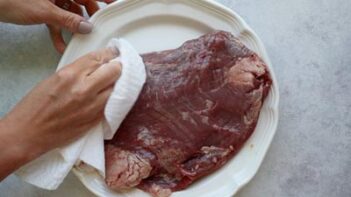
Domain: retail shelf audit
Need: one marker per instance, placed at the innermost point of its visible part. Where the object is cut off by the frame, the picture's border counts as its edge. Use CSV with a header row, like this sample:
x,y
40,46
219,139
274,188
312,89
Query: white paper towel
x,y
49,170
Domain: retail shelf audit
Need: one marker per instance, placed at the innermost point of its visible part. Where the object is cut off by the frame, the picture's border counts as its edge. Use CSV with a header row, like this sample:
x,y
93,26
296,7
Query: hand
x,y
50,12
58,110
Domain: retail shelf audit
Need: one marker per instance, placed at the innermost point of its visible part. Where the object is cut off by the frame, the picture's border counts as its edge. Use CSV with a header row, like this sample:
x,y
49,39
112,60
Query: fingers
x,y
62,14
71,21
100,102
102,98
82,128
97,106
55,30
69,6
90,5
92,61
104,76
57,39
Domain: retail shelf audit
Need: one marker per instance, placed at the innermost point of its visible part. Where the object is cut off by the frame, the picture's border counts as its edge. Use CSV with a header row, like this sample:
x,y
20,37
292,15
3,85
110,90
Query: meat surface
x,y
199,105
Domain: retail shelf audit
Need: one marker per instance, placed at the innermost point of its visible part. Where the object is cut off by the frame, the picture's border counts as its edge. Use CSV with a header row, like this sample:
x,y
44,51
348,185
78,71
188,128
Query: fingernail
x,y
85,27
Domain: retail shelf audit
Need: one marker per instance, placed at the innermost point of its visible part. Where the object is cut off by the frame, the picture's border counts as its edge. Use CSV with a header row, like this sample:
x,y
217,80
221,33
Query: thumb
x,y
72,22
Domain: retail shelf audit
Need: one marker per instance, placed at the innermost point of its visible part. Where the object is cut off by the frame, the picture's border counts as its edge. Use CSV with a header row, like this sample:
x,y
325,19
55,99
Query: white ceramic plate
x,y
152,25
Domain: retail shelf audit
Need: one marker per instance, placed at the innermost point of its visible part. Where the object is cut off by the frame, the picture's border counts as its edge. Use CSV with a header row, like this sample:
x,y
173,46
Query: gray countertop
x,y
309,42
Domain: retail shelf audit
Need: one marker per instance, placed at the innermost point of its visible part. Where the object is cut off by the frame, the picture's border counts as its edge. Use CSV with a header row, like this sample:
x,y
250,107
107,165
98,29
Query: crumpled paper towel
x,y
49,170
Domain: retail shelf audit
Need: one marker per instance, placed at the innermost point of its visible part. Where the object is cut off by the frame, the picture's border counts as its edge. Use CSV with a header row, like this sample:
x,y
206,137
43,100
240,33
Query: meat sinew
x,y
199,105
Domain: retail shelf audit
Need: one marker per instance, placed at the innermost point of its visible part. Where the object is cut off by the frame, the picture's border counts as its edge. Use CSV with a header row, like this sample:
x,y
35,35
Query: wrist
x,y
19,146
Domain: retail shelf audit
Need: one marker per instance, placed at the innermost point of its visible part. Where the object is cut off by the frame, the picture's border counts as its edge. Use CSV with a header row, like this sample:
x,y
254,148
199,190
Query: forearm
x,y
51,115
15,150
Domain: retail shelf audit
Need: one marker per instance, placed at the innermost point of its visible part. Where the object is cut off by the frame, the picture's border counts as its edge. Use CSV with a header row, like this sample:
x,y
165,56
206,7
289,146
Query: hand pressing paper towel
x,y
49,170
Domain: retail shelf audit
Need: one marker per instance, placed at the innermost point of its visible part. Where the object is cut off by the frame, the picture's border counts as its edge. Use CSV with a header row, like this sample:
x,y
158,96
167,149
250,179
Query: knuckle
x,y
83,95
85,110
91,55
94,56
69,21
77,98
90,110
65,75
80,94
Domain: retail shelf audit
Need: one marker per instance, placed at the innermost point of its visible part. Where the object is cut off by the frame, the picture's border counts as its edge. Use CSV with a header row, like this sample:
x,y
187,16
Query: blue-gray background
x,y
309,42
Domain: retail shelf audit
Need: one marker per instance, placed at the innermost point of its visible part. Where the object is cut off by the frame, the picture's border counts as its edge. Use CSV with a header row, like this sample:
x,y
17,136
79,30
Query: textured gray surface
x,y
309,42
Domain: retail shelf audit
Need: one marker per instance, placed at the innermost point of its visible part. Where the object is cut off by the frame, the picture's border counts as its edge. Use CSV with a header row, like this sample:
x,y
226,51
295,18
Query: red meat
x,y
199,105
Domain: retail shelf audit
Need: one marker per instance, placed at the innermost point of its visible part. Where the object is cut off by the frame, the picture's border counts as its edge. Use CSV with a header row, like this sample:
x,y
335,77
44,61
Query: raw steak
x,y
199,105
